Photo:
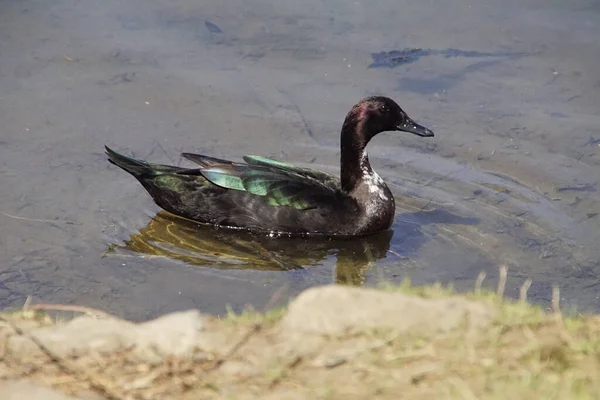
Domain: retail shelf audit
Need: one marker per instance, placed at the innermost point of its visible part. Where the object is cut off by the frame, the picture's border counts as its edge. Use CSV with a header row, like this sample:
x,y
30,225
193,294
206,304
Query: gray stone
x,y
174,334
77,336
334,310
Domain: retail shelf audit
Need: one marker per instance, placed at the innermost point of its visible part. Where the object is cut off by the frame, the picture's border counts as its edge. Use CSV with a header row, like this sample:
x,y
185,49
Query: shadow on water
x,y
167,235
394,58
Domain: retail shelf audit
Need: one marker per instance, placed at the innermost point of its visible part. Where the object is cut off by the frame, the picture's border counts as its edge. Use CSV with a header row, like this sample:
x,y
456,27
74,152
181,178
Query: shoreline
x,y
330,342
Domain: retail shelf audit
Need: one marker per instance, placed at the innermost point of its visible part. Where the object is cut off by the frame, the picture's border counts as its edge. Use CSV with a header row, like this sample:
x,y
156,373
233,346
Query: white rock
x,y
334,310
174,334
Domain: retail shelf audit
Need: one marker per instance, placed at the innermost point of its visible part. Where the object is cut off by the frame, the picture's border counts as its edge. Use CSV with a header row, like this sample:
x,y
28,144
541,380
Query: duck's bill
x,y
411,126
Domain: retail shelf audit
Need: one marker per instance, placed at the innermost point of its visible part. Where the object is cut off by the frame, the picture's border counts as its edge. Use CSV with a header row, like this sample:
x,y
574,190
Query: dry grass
x,y
526,353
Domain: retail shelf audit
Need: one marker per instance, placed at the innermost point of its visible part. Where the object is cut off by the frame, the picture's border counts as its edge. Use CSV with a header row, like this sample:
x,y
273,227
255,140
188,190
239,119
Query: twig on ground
x,y
479,282
221,360
288,367
556,299
564,333
502,281
27,303
65,307
523,291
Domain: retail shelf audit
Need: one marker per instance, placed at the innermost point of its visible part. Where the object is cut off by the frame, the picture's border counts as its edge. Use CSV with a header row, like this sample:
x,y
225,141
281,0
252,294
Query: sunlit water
x,y
511,89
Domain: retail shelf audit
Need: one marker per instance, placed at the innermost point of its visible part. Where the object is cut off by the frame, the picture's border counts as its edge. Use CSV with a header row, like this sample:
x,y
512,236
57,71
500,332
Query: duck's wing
x,y
325,178
204,161
279,183
207,161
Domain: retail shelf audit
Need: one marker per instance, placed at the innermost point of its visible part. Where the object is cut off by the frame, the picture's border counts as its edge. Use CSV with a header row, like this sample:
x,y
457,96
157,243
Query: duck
x,y
271,197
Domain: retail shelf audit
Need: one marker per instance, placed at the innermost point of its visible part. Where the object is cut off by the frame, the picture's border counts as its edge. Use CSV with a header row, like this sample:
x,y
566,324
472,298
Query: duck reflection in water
x,y
167,235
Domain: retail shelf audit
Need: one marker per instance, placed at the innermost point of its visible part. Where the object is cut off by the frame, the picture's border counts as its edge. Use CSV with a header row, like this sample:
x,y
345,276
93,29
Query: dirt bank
x,y
332,342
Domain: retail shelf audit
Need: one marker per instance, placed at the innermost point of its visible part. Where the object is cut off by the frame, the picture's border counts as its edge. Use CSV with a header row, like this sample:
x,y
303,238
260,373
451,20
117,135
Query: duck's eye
x,y
384,109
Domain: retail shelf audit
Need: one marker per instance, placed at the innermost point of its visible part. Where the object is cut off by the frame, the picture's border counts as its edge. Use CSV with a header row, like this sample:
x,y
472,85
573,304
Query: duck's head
x,y
373,115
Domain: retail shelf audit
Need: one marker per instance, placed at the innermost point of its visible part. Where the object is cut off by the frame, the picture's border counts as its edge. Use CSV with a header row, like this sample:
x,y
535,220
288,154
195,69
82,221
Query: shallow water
x,y
511,89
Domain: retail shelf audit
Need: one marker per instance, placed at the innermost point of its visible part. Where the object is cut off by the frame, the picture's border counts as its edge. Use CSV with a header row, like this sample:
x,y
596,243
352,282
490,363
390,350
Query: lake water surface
x,y
511,88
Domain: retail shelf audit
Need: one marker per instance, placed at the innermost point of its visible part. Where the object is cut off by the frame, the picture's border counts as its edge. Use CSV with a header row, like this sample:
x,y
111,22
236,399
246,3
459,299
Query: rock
x,y
75,337
25,390
335,310
175,334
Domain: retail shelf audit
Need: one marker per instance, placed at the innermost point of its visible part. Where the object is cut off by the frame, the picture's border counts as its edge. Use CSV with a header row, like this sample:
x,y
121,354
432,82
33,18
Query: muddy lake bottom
x,y
511,178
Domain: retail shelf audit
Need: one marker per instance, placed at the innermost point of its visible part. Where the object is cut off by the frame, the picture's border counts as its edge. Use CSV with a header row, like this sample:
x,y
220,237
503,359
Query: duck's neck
x,y
354,162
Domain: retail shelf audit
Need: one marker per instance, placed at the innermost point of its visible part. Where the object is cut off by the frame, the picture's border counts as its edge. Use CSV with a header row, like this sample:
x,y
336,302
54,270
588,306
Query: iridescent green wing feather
x,y
224,176
281,184
323,177
284,188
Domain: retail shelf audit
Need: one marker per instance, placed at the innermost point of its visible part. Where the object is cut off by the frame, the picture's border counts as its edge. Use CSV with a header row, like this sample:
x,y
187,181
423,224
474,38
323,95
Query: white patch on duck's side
x,y
372,179
374,184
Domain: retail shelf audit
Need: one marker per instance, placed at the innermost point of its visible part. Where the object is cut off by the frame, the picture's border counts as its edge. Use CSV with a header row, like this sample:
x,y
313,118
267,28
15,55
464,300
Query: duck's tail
x,y
138,168
165,183
135,167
